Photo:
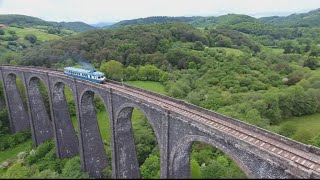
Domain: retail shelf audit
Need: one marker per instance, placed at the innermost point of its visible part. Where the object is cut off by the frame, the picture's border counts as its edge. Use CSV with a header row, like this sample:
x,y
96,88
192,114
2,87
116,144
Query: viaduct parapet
x,y
176,124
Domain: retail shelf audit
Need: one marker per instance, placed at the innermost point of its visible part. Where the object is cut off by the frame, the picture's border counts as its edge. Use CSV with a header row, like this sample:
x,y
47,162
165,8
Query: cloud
x,y
92,11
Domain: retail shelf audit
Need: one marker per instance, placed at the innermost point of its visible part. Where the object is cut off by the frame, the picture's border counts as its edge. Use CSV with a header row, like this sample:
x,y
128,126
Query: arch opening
x,y
200,157
96,142
138,144
207,162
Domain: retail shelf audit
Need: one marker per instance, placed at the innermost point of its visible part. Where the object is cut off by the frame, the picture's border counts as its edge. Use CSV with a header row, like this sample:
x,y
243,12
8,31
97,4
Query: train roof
x,y
85,71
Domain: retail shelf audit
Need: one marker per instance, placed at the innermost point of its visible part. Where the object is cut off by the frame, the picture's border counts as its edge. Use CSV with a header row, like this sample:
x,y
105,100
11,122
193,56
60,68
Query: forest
x,y
262,71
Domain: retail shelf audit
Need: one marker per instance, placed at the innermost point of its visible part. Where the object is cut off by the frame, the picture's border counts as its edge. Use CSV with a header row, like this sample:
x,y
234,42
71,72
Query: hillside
x,y
75,26
132,44
16,39
22,20
154,19
310,19
230,19
28,21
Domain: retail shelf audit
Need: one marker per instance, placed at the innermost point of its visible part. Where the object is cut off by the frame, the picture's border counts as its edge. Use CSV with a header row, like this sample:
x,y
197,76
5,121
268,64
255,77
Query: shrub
x,y
40,152
287,130
72,169
2,32
31,38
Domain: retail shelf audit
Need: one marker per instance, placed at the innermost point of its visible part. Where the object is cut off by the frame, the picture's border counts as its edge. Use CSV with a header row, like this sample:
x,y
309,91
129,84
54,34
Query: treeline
x,y
155,19
160,45
21,21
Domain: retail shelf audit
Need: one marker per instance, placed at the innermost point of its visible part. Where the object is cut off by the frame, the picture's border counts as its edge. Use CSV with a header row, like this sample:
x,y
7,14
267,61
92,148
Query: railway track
x,y
307,160
299,157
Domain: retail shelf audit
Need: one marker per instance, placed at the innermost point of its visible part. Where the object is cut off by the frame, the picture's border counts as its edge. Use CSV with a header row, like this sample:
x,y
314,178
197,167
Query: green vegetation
x,y
40,34
263,71
28,21
13,152
148,85
304,129
229,51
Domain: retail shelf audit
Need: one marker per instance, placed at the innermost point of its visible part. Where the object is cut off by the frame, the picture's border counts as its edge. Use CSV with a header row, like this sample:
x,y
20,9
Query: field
x,y
273,50
41,34
309,123
148,85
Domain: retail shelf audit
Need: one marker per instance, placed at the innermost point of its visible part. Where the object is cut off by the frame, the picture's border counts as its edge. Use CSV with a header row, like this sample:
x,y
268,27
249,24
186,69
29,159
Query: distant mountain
x,y
310,19
28,21
196,21
103,24
75,26
22,20
155,19
230,19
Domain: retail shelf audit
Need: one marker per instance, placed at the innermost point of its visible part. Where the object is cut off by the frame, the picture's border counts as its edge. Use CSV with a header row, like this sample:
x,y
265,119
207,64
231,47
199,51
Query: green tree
x,y
195,169
223,41
311,62
31,38
72,169
130,73
149,72
150,169
198,46
17,170
113,69
2,32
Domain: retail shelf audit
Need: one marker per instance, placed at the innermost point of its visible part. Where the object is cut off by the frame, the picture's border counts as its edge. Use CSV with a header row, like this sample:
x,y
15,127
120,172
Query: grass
x,y
273,50
13,152
309,123
41,34
148,85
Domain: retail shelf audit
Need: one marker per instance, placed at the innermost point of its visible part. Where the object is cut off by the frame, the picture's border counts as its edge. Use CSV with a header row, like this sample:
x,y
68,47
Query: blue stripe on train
x,y
84,78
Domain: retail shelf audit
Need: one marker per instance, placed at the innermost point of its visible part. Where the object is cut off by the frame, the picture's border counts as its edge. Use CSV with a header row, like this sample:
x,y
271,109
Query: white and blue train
x,y
89,75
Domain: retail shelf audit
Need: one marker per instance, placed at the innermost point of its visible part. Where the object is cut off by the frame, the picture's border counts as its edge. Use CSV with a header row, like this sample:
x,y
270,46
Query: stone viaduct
x,y
176,124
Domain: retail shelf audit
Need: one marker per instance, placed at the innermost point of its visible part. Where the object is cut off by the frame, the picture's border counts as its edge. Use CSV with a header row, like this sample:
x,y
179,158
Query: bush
x,y
2,32
151,167
19,171
72,169
316,140
40,152
303,136
10,141
46,174
288,130
31,38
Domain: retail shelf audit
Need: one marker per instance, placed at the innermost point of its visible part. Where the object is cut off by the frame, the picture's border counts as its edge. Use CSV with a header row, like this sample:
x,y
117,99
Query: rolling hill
x,y
28,21
309,19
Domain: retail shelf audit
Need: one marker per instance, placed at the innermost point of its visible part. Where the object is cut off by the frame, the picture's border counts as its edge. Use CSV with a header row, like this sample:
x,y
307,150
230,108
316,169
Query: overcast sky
x,y
93,11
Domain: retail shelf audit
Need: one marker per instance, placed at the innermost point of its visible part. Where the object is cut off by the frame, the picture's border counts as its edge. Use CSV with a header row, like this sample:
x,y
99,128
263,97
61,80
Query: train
x,y
89,75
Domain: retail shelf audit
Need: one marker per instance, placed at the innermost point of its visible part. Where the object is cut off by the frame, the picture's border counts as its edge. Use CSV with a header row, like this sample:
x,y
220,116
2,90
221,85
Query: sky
x,y
94,11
